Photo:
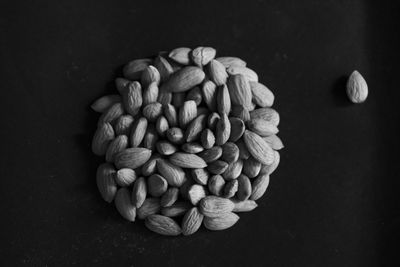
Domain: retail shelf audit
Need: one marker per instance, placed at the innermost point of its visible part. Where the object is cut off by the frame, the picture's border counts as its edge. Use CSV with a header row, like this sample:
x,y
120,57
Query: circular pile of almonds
x,y
190,139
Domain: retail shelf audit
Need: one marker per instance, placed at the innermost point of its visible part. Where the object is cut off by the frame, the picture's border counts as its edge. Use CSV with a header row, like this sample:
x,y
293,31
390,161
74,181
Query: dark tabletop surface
x,y
334,200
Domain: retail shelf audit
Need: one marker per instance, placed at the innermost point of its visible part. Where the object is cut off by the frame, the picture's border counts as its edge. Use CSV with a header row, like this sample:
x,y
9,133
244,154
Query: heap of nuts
x,y
189,140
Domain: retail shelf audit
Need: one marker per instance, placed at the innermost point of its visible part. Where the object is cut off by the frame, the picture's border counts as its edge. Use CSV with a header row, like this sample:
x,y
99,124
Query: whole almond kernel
x,y
184,79
125,177
222,222
231,61
357,88
230,188
251,167
111,114
174,175
150,75
169,197
150,166
233,171
244,187
187,113
102,138
124,205
138,131
162,126
123,125
186,160
163,225
181,55
195,128
156,185
212,154
274,141
244,206
268,169
207,139
262,127
201,56
150,138
200,176
150,94
217,167
121,84
261,95
216,185
105,102
259,186
196,193
250,74
171,115
149,207
132,98
212,206
223,100
105,181
132,157
175,135
177,209
258,148
223,130
164,97
192,148
116,145
191,221
239,90
268,114
209,90
152,111
139,192
230,152
217,72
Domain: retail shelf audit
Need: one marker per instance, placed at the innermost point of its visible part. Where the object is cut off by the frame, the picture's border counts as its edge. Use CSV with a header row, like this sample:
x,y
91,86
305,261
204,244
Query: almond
x,y
175,135
111,114
138,131
251,167
209,90
212,154
262,127
171,115
124,205
223,130
139,192
195,95
164,97
201,56
185,160
150,138
105,181
105,102
132,157
165,148
207,139
240,112
149,75
132,98
223,100
231,61
243,152
164,68
133,70
174,175
196,193
102,138
357,88
217,72
216,185
187,113
191,221
125,177
177,209
156,185
261,95
212,206
162,126
230,152
244,187
230,188
181,55
268,169
237,129
192,148
152,111
116,145
259,186
250,74
268,114
217,166
162,225
222,222
150,167
200,176
150,94
233,171
239,90
184,79
274,141
169,197
195,128
258,148
123,125
149,207
244,206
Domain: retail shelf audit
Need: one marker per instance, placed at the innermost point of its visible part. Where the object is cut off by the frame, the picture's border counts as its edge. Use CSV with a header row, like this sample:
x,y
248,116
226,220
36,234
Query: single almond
x,y
152,111
132,157
162,126
243,152
200,176
175,135
124,205
196,193
150,167
268,169
186,160
162,225
164,97
133,70
192,148
216,185
150,138
116,146
251,167
164,68
250,74
149,75
217,166
209,90
223,130
222,222
244,206
191,222
184,79
357,88
171,115
138,131
105,181
174,175
156,185
268,114
274,141
125,177
187,113
165,148
259,186
121,84
223,100
262,127
195,128
111,114
207,139
105,102
132,98
213,206
212,154
239,90
139,192
123,125
230,188
150,94
201,56
102,138
195,95
169,197
230,152
244,187
233,171
261,95
177,209
149,207
231,61
217,72
258,148
181,55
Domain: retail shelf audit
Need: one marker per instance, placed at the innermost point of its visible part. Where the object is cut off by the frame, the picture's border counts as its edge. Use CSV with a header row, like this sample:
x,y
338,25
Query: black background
x,y
333,200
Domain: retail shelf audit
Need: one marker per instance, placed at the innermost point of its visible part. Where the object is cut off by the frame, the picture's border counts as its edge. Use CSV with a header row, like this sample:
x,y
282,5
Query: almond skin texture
x,y
209,91
105,181
169,197
124,205
274,141
357,88
244,206
262,127
216,185
133,70
187,113
164,68
222,222
111,114
132,157
125,177
102,138
196,193
105,102
174,174
248,73
239,90
195,128
156,185
259,186
139,192
261,95
201,56
189,161
212,206
138,131
212,154
244,187
217,72
231,61
268,114
223,100
223,130
150,206
162,225
132,98
123,125
181,55
184,79
192,221
258,148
